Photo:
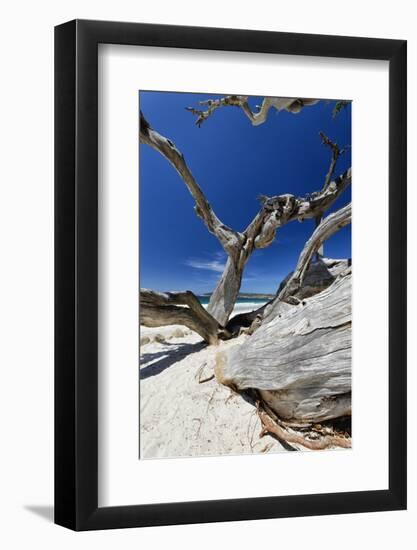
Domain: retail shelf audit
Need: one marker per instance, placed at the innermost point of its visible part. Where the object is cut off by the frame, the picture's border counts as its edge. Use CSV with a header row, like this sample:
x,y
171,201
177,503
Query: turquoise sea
x,y
242,304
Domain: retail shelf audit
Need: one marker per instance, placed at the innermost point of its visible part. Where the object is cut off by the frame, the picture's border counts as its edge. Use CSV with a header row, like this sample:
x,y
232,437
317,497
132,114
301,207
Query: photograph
x,y
245,274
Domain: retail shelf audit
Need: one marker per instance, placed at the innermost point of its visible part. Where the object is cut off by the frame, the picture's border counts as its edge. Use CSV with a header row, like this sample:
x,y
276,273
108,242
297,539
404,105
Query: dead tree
x,y
275,212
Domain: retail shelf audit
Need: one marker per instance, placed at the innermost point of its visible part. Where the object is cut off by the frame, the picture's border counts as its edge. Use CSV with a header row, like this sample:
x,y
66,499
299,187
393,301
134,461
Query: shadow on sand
x,y
167,358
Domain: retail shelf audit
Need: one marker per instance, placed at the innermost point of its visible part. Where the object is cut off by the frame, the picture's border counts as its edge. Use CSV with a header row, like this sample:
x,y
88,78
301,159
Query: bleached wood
x,y
290,104
320,274
282,209
223,299
165,308
300,357
328,227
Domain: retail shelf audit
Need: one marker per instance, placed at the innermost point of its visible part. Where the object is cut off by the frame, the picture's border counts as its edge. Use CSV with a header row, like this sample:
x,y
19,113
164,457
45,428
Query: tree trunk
x,y
224,297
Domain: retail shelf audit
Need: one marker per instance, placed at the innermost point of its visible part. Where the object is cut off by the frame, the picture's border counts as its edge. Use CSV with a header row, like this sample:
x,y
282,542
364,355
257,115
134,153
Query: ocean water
x,y
243,305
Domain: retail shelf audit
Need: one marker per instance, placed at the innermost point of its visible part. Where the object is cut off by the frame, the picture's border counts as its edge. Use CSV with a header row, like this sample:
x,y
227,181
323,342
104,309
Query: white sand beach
x,y
183,410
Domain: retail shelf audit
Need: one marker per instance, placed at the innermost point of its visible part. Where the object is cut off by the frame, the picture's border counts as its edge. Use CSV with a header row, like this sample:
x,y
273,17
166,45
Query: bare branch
x,y
213,104
339,106
166,308
290,104
228,238
281,209
336,153
328,227
321,201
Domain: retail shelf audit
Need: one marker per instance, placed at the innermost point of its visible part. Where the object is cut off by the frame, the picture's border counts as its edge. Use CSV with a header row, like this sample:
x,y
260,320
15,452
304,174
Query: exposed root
x,y
271,426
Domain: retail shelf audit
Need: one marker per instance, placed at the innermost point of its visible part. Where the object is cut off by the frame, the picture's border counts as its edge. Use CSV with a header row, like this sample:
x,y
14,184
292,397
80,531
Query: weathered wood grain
x,y
327,227
300,357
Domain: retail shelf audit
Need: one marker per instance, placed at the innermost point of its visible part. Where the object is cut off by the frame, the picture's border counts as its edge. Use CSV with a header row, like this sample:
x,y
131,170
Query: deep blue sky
x,y
233,162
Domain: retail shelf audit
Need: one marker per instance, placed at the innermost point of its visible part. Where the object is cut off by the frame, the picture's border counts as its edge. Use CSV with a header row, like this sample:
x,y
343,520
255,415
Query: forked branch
x,y
336,152
281,209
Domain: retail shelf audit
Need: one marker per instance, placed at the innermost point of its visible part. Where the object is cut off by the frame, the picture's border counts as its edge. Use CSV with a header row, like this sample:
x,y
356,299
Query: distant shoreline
x,y
245,295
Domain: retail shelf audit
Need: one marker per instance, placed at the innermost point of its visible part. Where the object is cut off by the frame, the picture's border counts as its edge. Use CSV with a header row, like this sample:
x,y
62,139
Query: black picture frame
x,y
76,272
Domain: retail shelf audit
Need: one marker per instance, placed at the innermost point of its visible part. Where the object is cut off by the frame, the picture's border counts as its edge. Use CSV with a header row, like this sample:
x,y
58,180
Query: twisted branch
x,y
336,153
290,104
282,209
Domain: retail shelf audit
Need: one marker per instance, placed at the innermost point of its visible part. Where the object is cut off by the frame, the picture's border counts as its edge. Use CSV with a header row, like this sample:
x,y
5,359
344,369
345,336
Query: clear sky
x,y
233,162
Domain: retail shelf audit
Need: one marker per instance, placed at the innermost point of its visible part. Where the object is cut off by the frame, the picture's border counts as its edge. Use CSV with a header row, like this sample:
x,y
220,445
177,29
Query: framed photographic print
x,y
230,300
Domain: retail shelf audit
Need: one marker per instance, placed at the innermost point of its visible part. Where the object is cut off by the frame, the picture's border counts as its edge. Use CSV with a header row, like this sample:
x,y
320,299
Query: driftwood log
x,y
299,359
178,308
